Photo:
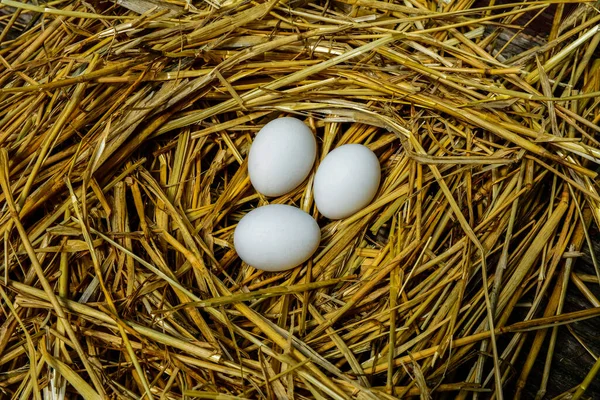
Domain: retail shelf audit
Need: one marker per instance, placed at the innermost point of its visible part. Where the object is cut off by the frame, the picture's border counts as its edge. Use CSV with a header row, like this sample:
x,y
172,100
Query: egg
x,y
281,156
276,237
346,181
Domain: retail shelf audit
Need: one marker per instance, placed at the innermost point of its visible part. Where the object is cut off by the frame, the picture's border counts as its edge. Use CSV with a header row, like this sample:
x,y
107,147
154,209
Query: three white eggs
x,y
280,237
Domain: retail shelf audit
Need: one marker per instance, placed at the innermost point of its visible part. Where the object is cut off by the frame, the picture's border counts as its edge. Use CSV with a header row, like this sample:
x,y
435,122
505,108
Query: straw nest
x,y
125,128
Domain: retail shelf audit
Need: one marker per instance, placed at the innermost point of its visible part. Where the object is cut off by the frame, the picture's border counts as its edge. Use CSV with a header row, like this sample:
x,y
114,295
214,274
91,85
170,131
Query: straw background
x,y
124,131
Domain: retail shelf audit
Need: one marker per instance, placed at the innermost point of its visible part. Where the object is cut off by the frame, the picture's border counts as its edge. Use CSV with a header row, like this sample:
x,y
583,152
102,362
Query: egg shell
x,y
276,237
346,181
281,156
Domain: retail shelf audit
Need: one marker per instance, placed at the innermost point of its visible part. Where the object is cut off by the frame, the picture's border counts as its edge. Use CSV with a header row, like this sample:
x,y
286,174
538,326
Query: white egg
x,y
281,156
276,237
346,181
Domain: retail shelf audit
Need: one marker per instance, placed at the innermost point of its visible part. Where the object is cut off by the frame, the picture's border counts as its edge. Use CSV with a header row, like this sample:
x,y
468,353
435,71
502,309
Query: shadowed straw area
x,y
124,133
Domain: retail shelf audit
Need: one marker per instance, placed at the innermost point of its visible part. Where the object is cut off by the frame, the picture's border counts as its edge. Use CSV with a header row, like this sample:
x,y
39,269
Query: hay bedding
x,y
125,128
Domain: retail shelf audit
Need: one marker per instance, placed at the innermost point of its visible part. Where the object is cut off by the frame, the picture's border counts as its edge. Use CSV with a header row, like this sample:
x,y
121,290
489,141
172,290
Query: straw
x,y
125,130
